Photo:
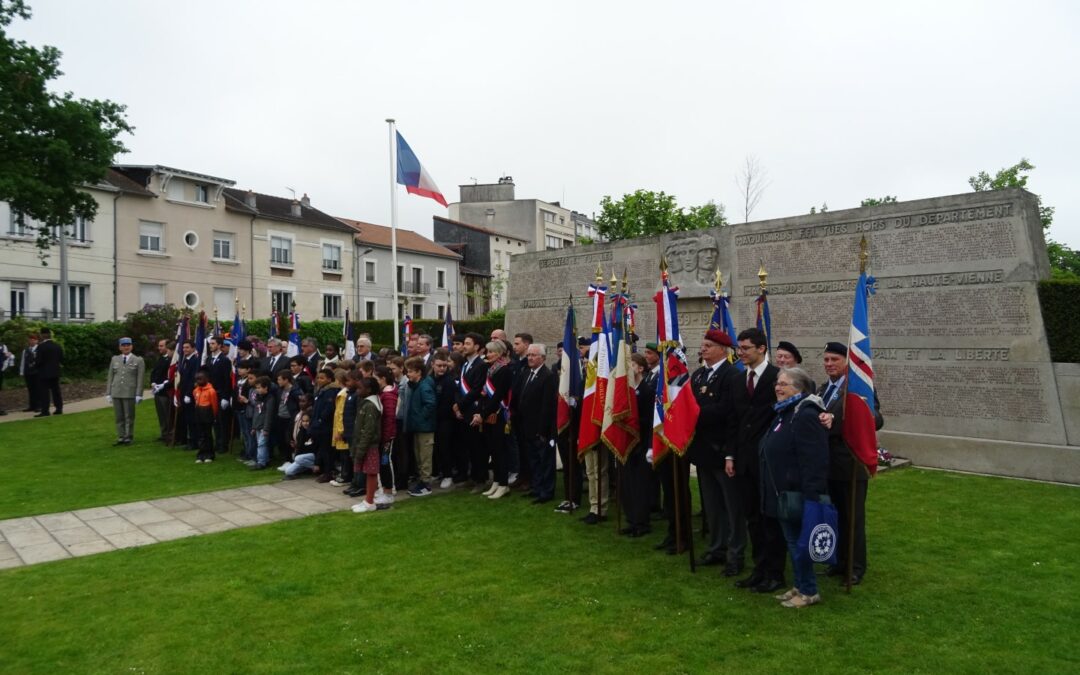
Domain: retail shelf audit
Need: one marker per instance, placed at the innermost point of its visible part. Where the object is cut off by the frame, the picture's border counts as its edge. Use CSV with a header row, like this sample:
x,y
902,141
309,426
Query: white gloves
x,y
108,399
156,388
648,456
187,399
138,400
224,404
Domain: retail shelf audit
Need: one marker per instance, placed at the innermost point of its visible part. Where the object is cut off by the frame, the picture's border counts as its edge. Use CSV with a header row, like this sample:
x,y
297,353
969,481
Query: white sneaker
x,y
501,492
364,507
512,478
491,490
383,498
446,483
338,483
284,466
198,461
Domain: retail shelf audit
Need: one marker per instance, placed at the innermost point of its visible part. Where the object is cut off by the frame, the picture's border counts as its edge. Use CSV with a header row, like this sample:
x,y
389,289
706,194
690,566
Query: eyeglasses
x,y
779,385
745,348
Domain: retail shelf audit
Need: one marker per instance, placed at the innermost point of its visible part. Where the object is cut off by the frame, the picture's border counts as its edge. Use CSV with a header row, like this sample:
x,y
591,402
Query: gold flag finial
x,y
762,275
243,311
599,274
614,280
719,280
864,254
625,279
663,263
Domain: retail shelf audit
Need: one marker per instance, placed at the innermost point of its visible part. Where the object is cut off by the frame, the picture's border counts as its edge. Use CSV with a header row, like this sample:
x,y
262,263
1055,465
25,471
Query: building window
x,y
225,300
401,312
567,243
151,294
280,250
150,236
553,243
417,311
331,257
75,232
223,245
191,299
549,217
202,195
331,306
19,225
76,301
418,280
281,301
440,280
18,299
369,271
400,278
191,239
369,310
440,311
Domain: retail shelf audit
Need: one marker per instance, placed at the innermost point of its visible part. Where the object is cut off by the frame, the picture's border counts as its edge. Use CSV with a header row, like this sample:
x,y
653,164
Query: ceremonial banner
x,y
348,337
569,373
589,430
859,427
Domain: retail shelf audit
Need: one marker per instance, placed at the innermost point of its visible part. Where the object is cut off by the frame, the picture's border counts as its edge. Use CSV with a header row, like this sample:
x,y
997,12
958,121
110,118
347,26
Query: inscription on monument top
x,y
955,323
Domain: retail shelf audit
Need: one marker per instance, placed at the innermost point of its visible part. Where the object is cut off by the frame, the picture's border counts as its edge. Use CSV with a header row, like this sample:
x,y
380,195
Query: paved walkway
x,y
95,403
55,536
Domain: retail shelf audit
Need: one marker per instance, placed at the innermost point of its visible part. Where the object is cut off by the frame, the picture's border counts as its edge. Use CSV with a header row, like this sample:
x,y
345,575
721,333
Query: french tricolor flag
x,y
413,175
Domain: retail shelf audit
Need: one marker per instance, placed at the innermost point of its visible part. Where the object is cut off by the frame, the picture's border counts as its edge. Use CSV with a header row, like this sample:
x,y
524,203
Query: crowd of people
x,y
481,416
39,366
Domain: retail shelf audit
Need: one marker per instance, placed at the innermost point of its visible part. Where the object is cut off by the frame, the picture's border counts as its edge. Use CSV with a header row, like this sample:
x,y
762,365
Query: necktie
x,y
750,384
125,359
273,362
532,374
829,392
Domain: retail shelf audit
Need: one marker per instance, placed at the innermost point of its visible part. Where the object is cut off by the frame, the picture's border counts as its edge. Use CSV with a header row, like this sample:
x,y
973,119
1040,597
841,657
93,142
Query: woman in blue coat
x,y
794,455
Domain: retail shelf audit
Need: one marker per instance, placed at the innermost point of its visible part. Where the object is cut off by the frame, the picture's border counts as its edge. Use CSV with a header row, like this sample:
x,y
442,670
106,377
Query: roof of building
x,y
468,271
280,208
479,228
407,240
142,173
117,180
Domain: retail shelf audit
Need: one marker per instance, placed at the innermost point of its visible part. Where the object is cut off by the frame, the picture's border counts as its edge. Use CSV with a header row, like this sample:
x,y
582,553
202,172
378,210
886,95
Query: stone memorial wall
x,y
959,348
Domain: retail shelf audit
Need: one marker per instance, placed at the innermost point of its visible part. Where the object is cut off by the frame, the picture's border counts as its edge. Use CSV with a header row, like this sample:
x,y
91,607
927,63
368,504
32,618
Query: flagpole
x,y
393,227
864,258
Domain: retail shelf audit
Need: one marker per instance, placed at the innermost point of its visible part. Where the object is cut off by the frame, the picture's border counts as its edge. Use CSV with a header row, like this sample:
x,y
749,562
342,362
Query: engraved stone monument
x,y
959,347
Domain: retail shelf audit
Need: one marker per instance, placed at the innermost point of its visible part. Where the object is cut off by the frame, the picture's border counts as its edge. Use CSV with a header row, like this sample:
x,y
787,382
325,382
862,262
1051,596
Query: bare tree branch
x,y
752,181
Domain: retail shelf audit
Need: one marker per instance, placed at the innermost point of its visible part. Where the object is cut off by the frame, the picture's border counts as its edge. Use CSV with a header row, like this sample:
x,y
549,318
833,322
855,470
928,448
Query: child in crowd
x,y
205,403
388,396
286,408
322,424
402,455
344,418
445,386
364,440
245,381
298,366
420,422
262,400
304,456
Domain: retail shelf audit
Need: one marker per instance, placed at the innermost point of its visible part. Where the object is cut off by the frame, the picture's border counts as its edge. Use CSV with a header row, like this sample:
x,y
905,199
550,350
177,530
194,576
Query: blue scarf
x,y
781,406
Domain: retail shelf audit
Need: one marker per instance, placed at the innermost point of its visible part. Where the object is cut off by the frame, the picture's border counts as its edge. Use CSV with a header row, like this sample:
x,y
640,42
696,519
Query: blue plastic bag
x,y
819,534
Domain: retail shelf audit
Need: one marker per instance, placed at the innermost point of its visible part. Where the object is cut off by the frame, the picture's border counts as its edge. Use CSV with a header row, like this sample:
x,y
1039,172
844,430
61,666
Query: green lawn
x,y
69,462
967,574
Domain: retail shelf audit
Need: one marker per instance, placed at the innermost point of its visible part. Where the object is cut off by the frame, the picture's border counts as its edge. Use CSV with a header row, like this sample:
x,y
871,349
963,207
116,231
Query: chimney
x,y
296,212
249,199
306,201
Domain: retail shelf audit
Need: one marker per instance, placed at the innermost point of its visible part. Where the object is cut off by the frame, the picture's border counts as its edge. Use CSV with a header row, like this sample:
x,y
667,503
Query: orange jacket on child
x,y
205,396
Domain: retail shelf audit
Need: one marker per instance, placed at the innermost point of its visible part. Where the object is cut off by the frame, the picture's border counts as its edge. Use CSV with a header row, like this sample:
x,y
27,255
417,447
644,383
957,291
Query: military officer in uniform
x,y
123,390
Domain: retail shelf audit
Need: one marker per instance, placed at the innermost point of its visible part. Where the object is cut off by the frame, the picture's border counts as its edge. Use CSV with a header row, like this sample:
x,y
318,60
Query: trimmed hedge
x,y
1059,298
89,346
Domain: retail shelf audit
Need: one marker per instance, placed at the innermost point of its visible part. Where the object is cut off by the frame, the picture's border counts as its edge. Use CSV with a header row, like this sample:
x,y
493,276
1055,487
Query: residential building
x,y
543,225
427,275
30,284
485,264
298,254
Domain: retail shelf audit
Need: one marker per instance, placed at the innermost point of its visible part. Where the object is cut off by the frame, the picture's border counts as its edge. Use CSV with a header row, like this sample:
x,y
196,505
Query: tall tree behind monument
x,y
645,213
51,143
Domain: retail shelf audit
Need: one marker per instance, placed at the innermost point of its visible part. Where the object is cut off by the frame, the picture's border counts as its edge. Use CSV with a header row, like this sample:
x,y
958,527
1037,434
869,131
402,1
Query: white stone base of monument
x,y
1058,463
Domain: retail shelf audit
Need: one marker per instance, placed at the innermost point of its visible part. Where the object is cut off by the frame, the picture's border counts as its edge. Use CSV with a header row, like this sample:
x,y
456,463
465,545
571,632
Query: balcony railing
x,y
46,315
415,288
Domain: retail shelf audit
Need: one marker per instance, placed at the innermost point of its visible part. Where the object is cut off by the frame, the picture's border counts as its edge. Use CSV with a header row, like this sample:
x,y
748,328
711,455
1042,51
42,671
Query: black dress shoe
x,y
541,500
856,579
709,560
59,412
42,414
640,532
667,543
732,570
29,409
768,586
593,519
749,582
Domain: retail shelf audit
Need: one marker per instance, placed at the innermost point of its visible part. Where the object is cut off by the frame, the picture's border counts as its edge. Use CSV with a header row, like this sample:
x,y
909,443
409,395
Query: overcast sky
x,y
577,100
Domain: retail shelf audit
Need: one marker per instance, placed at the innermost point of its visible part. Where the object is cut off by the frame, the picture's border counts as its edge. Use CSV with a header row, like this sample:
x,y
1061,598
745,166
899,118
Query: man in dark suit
x,y
636,486
162,387
533,415
713,390
842,464
754,395
470,387
221,375
517,453
49,355
28,371
186,430
309,349
276,360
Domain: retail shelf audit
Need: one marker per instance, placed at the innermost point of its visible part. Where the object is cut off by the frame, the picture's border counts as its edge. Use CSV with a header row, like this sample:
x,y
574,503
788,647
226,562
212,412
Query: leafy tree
x,y
1064,261
50,143
875,201
645,213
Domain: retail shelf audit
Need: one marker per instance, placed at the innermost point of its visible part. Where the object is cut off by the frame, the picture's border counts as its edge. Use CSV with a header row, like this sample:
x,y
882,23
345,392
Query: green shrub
x,y
1059,298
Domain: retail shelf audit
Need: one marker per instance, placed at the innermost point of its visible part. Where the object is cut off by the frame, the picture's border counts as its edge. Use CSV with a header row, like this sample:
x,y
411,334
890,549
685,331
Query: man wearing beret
x,y
123,389
713,390
786,355
842,464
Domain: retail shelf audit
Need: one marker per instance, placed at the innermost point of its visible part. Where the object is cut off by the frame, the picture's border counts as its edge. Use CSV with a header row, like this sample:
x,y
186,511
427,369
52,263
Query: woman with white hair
x,y
492,417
